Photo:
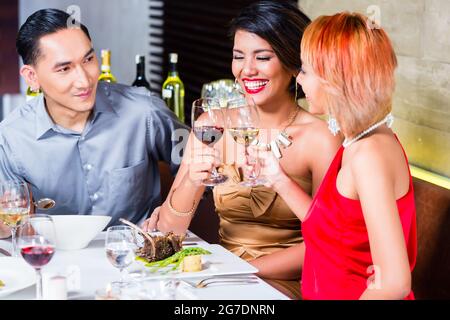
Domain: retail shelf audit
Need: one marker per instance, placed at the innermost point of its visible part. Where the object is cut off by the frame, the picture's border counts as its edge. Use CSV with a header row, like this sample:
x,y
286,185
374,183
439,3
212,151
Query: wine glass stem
x,y
121,276
38,284
249,162
14,252
214,172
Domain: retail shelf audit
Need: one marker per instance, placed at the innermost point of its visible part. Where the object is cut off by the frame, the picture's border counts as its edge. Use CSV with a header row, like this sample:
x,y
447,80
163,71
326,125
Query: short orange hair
x,y
356,62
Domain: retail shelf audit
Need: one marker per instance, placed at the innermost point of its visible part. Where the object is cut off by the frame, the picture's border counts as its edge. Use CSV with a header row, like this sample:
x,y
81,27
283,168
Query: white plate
x,y
219,262
16,274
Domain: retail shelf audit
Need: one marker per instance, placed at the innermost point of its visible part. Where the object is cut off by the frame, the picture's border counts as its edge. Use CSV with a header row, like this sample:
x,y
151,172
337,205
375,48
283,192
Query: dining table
x,y
88,270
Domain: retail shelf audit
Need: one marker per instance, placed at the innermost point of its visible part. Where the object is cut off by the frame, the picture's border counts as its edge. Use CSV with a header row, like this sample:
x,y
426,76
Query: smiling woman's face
x,y
67,70
258,69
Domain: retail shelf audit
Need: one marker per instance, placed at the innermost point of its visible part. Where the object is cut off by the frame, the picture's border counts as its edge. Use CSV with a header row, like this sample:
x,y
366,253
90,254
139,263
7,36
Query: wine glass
x,y
14,207
223,90
243,125
208,125
120,246
37,244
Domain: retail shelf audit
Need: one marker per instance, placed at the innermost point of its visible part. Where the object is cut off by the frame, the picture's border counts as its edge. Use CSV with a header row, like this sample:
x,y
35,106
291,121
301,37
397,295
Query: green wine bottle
x,y
173,89
106,74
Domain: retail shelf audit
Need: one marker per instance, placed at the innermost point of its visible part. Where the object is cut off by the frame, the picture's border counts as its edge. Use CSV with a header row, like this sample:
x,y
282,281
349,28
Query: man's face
x,y
67,70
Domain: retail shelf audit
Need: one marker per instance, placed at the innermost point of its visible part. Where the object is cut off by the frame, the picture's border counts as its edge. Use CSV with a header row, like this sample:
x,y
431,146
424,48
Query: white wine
x,y
106,74
173,89
244,135
13,219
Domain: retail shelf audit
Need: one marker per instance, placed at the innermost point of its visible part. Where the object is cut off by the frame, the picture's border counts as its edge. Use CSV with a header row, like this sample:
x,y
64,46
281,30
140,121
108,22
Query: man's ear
x,y
29,74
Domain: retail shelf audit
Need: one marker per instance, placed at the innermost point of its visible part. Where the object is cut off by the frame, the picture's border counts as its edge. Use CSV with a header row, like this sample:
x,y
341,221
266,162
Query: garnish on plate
x,y
175,260
2,284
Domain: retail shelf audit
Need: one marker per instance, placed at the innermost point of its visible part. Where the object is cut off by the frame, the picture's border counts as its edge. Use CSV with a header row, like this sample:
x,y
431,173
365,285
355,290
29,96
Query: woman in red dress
x,y
360,229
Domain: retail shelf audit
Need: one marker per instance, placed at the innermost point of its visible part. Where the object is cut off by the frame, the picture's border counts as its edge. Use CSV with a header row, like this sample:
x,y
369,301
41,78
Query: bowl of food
x,y
74,232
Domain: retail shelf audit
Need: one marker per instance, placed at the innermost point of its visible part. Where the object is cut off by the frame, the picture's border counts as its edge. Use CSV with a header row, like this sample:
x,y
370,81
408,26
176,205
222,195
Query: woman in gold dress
x,y
255,223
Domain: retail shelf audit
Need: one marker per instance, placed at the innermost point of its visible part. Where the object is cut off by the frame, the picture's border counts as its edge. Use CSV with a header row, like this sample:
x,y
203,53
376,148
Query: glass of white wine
x,y
243,125
15,205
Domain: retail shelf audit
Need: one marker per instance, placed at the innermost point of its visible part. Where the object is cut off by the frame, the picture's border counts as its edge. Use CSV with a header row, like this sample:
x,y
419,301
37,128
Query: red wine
x,y
209,135
37,256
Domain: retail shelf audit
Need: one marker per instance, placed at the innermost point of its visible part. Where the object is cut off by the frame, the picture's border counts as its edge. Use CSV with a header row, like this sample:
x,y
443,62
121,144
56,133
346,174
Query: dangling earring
x,y
296,91
333,125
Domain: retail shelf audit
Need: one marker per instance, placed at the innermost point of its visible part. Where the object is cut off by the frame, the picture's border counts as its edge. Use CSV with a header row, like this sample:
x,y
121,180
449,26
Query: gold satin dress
x,y
256,221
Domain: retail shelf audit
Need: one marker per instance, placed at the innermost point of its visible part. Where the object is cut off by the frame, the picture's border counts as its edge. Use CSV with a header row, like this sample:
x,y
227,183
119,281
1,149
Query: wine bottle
x,y
140,80
106,74
32,94
173,89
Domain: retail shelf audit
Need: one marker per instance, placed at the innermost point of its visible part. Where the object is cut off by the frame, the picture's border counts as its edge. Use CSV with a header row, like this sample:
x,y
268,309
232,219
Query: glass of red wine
x,y
37,244
208,124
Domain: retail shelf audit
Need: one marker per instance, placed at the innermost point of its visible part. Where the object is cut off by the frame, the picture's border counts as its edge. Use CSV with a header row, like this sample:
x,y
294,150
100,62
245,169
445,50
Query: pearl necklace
x,y
388,120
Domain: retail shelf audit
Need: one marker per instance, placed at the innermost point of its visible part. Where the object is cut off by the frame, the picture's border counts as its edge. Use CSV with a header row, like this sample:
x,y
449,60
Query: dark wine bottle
x,y
140,80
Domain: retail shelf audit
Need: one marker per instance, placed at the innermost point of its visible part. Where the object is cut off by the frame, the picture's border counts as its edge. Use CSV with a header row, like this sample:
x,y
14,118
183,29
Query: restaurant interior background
x,y
197,31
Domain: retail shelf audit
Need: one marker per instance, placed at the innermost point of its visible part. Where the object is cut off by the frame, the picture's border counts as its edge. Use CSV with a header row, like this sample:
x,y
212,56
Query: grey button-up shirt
x,y
111,168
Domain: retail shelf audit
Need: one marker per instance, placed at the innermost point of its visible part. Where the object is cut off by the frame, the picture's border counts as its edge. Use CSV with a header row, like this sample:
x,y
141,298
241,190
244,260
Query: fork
x,y
233,280
6,253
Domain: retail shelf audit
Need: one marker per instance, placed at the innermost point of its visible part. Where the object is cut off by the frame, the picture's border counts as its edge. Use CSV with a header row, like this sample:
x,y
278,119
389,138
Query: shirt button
x,y
82,138
94,196
88,167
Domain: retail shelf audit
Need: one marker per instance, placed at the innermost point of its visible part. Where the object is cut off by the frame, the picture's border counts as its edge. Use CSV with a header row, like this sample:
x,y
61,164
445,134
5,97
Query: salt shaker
x,y
56,288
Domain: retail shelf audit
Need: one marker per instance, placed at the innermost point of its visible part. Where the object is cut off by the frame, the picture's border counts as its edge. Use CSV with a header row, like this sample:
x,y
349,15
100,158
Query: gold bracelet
x,y
178,213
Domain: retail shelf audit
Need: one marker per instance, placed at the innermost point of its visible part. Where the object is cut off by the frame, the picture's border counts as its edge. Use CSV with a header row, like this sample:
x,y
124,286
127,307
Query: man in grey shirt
x,y
91,146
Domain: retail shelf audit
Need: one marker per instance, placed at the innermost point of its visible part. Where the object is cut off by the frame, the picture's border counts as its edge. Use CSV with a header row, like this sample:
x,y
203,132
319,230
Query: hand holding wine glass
x,y
37,244
14,207
274,175
208,125
243,125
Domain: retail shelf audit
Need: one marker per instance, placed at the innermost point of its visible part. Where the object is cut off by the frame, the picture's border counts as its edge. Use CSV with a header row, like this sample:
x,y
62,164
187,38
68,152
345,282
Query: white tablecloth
x,y
96,272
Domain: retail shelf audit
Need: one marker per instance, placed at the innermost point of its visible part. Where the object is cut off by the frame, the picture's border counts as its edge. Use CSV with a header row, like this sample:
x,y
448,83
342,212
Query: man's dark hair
x,y
39,24
281,24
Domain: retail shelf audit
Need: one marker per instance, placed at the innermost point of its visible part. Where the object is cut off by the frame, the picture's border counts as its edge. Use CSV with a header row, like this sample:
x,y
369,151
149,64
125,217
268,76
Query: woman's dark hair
x,y
281,24
39,24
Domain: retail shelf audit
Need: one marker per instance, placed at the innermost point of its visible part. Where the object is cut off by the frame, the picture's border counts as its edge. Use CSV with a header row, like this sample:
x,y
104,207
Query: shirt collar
x,y
103,101
44,123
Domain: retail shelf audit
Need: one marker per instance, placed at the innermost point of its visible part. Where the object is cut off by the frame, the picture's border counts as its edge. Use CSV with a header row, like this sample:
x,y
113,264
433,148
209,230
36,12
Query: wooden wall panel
x,y
9,60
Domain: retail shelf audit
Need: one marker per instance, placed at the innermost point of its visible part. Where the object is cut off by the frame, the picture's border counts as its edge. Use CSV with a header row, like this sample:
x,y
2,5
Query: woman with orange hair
x,y
360,230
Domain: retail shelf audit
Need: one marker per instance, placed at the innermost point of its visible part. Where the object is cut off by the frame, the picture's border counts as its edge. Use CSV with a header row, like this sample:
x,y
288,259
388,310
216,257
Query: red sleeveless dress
x,y
337,261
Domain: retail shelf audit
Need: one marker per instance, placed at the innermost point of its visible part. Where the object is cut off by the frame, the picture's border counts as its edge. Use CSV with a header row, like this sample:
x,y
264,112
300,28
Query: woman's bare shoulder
x,y
315,132
313,140
377,153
